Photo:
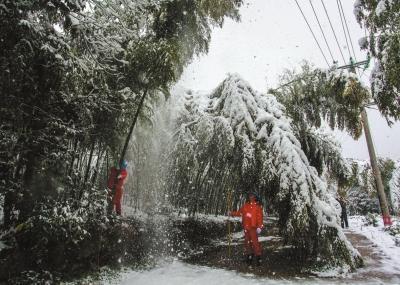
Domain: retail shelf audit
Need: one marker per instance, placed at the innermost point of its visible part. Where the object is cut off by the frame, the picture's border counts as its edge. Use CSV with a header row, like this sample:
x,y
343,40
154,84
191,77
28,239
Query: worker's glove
x,y
258,230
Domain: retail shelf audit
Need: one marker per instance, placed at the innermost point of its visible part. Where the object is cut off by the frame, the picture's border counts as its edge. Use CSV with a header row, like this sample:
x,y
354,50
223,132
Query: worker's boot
x,y
258,260
249,259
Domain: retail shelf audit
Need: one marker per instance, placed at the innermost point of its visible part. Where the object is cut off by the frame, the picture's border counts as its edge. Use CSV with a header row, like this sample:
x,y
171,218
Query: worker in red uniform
x,y
252,222
116,182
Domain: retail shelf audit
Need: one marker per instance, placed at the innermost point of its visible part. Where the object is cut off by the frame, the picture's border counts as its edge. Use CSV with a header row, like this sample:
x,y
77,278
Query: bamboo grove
x,y
72,76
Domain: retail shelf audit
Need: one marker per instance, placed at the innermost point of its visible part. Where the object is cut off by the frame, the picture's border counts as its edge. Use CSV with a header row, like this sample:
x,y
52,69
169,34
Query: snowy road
x,y
383,243
177,273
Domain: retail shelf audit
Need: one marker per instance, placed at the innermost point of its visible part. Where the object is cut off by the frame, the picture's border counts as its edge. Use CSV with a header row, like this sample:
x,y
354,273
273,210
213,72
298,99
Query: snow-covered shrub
x,y
70,238
393,230
371,220
53,234
360,202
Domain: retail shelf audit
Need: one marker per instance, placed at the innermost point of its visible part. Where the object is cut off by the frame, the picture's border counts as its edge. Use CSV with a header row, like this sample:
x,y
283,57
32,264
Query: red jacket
x,y
117,178
252,215
123,174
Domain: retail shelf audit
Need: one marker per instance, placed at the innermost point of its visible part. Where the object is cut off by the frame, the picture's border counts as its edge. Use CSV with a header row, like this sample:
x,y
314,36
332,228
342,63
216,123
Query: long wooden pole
x,y
127,140
375,169
229,201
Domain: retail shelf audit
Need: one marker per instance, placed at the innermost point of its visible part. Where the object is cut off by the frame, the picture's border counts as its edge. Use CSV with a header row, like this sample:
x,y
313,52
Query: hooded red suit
x,y
117,179
252,218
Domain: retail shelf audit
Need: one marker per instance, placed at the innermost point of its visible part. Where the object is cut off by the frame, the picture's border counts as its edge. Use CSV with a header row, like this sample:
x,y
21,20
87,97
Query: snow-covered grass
x,y
384,242
177,273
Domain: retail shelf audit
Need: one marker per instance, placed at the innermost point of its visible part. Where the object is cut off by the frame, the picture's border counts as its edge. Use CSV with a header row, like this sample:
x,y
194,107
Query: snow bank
x,y
384,242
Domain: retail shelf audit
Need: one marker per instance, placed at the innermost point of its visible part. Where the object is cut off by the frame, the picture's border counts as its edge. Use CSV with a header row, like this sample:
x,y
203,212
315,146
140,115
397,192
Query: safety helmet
x,y
255,196
124,164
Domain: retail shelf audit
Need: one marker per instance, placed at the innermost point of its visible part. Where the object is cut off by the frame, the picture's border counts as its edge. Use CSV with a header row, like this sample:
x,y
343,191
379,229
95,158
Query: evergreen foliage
x,y
381,18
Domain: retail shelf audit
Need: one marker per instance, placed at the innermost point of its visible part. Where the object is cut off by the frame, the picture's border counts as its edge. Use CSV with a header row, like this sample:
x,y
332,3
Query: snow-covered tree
x,y
239,140
314,98
74,74
381,19
361,188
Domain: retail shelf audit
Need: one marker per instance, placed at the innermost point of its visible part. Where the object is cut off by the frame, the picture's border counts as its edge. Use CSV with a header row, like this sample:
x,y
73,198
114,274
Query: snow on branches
x,y
381,18
250,133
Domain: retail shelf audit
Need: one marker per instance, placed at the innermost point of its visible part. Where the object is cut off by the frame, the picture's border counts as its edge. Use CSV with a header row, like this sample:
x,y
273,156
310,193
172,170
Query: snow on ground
x,y
178,272
384,242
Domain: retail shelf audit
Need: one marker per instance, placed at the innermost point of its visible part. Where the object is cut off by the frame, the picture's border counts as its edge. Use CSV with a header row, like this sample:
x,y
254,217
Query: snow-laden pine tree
x,y
238,140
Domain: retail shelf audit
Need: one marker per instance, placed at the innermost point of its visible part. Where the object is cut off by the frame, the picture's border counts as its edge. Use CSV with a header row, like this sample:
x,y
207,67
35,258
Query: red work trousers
x,y
117,200
251,244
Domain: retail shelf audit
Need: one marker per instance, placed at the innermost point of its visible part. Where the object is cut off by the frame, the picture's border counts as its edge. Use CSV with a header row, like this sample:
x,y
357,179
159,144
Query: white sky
x,y
273,36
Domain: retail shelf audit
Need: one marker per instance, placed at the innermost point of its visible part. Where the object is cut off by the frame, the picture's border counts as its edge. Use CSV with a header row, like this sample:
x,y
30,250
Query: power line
x,y
305,19
322,31
333,30
344,30
347,28
344,24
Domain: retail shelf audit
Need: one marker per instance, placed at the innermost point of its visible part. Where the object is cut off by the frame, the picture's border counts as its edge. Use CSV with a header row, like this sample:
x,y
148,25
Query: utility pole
x,y
387,221
375,169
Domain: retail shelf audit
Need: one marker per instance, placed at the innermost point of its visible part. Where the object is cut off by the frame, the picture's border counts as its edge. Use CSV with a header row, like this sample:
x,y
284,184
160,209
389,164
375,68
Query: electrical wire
x,y
347,28
319,46
344,29
322,31
333,31
344,24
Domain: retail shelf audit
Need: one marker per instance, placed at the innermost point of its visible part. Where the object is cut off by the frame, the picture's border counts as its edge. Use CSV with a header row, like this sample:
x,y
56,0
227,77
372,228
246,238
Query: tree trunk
x,y
374,164
89,164
96,170
27,203
10,199
71,167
